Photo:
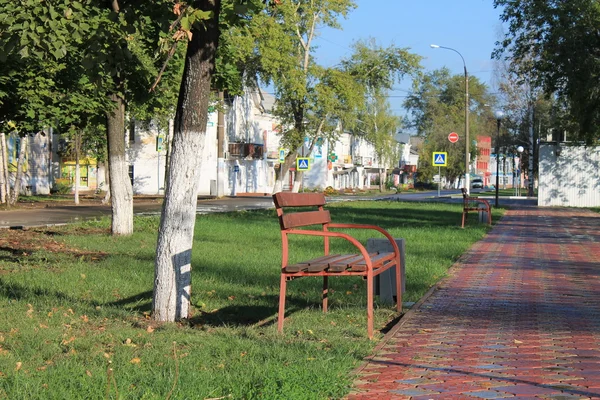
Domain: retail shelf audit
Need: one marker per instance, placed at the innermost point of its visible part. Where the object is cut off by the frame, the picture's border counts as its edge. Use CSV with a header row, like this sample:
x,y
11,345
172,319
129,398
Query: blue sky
x,y
470,26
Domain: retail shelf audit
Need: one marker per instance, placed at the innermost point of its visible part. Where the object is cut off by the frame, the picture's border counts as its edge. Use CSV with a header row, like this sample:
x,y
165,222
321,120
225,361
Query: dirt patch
x,y
57,201
25,243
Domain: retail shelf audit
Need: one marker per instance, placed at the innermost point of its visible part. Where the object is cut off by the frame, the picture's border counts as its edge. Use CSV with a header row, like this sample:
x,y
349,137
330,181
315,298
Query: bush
x,y
62,186
329,191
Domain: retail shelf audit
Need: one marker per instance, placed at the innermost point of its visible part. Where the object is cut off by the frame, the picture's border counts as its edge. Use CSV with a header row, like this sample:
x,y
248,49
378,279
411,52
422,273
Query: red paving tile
x,y
518,317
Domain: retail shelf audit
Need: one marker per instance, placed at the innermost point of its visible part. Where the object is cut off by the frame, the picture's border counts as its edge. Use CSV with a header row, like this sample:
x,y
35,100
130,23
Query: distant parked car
x,y
477,183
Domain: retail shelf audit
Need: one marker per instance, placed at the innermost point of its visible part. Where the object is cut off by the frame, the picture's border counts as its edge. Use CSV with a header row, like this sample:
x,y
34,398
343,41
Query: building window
x,y
132,130
131,174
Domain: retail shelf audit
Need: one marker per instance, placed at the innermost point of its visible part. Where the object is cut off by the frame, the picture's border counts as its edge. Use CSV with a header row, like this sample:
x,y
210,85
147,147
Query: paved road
x,y
519,317
66,213
58,214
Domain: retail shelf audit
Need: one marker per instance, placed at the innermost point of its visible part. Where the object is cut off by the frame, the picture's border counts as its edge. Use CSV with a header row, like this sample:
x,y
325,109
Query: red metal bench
x,y
474,204
311,213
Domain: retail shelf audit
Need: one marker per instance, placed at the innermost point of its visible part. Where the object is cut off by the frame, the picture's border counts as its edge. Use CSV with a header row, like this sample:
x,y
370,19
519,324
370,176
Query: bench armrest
x,y
478,200
355,242
372,227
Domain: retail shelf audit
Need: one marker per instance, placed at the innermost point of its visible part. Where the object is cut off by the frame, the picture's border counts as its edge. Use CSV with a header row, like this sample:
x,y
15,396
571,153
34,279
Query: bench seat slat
x,y
378,261
315,263
342,265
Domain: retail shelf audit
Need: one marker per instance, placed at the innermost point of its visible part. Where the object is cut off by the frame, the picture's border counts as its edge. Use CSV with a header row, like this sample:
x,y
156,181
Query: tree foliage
x,y
84,59
555,44
311,100
376,69
437,107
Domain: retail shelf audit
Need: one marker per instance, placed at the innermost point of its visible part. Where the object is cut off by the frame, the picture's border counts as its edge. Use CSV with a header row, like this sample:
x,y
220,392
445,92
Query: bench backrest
x,y
313,214
465,197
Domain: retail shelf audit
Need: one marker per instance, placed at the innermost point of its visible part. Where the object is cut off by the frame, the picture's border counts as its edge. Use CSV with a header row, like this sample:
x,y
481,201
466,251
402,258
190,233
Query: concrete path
x,y
518,317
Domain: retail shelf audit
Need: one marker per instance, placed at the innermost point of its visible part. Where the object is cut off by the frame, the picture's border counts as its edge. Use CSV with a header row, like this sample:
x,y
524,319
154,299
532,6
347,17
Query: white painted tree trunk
x,y
77,171
19,175
3,170
172,285
278,186
121,192
106,198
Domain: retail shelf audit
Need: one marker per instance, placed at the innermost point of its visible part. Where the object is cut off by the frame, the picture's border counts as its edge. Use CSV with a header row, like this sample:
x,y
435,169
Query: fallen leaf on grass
x,y
18,365
67,341
135,360
88,372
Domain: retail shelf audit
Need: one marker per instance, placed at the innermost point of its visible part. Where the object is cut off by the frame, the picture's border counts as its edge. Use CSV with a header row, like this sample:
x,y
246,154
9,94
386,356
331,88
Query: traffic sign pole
x,y
439,179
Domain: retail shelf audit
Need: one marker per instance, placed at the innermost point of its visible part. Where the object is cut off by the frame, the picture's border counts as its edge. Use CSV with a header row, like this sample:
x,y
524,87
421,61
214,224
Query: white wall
x,y
571,178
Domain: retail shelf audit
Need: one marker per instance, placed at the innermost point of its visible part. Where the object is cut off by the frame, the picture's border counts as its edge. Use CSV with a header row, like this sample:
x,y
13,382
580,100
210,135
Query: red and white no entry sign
x,y
453,137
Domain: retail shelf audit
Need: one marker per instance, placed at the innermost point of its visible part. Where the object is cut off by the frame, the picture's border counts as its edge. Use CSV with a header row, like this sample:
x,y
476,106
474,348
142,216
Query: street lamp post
x,y
499,116
467,172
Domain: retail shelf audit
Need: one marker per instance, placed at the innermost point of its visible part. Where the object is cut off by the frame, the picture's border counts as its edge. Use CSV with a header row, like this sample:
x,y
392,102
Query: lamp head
x,y
434,46
520,149
499,114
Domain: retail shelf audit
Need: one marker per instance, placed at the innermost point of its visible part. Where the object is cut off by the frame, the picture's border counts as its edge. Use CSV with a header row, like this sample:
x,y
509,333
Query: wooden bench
x,y
474,204
309,215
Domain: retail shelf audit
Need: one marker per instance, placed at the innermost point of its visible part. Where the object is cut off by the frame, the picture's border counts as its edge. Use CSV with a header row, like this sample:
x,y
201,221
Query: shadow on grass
x,y
234,315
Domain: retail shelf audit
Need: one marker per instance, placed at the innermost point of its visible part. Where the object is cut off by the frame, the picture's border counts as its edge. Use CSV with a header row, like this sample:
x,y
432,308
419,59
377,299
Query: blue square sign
x,y
302,164
440,159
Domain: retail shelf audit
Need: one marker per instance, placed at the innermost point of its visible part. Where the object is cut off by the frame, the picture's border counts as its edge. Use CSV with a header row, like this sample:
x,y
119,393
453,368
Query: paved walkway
x,y
519,317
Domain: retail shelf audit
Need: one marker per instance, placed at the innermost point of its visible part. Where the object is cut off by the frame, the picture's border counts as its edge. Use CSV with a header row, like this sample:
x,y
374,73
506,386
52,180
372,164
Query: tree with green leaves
x,y
202,22
376,69
553,45
116,42
311,101
436,108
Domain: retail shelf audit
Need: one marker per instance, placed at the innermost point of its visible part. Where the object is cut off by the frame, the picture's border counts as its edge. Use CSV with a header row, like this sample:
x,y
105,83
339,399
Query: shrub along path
x,y
519,317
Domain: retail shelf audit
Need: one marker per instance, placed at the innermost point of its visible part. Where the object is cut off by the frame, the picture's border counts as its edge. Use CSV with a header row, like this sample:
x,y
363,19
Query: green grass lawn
x,y
75,305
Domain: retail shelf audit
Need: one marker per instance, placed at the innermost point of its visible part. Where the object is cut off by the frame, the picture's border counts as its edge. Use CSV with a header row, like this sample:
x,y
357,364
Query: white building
x,y
251,153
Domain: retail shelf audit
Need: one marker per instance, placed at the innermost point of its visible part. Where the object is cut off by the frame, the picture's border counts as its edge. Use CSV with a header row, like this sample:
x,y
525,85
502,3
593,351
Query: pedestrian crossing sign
x,y
440,159
302,164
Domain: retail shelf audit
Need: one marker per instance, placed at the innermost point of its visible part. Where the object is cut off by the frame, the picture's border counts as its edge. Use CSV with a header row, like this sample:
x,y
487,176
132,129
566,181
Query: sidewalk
x,y
518,317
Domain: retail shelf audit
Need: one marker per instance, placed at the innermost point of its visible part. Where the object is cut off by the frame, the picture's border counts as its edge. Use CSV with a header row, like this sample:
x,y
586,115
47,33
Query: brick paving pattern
x,y
518,318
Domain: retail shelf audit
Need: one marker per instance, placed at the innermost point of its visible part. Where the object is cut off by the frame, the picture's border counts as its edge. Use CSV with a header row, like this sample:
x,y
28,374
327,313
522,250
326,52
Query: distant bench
x,y
475,204
362,263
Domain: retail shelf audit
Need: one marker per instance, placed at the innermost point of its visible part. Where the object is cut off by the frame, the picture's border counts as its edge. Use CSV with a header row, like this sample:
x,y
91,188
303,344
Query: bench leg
x,y
325,292
370,305
398,287
281,316
464,218
489,211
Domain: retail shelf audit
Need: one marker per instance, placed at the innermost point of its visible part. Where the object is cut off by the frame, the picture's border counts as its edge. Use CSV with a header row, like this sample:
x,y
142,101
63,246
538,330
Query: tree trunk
x,y
3,170
21,161
172,285
281,172
298,180
106,198
121,192
77,171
